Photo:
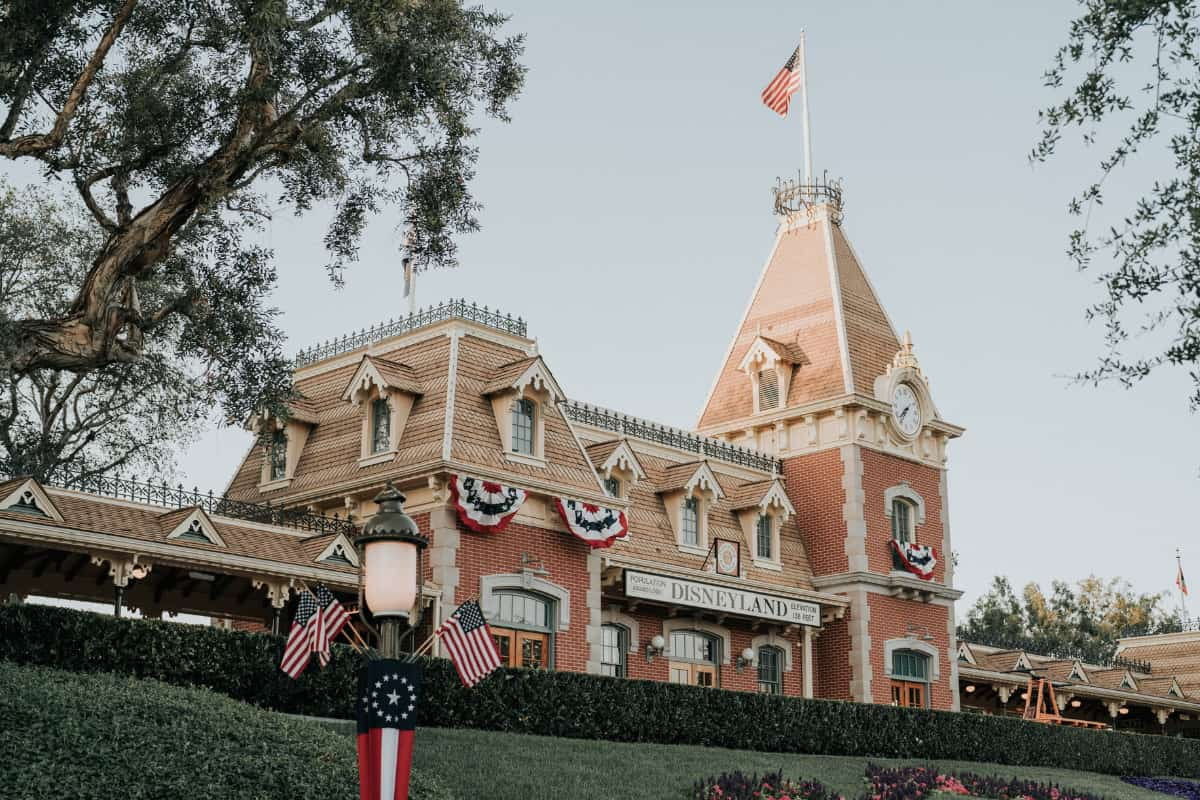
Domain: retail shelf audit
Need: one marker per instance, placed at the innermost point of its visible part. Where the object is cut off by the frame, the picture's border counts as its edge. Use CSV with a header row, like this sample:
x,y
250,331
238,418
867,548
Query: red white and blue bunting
x,y
596,525
919,559
484,506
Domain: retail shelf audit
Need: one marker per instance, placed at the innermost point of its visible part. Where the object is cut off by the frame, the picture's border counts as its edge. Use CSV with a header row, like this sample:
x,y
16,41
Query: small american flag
x,y
302,640
778,94
469,641
333,617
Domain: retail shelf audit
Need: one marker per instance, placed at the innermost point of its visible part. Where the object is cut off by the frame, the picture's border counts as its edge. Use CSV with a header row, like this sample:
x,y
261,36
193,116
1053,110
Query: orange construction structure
x,y
1040,706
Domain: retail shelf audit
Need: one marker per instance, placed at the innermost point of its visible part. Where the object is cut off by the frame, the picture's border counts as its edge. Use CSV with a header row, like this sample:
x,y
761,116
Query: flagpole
x,y
1179,583
808,164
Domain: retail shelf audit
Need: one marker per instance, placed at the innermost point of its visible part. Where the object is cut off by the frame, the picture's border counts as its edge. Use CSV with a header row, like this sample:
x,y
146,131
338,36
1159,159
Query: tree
x,y
1084,621
171,121
1134,63
121,415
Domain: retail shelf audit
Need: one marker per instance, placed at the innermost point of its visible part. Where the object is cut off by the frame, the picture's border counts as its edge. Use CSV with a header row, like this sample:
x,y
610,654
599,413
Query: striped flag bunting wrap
x,y
333,616
388,695
919,559
778,94
469,642
596,525
304,638
484,506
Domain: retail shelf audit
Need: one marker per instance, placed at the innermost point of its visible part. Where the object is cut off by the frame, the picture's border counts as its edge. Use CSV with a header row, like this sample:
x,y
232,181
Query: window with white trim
x,y
614,644
768,389
689,522
612,487
903,517
523,411
770,670
381,425
764,537
277,453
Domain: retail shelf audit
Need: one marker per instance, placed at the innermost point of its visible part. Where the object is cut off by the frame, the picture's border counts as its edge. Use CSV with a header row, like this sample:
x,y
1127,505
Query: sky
x,y
627,214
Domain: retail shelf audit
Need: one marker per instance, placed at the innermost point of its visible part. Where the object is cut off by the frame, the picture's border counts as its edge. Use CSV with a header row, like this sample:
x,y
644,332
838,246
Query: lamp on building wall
x,y
969,688
746,659
1076,703
655,647
391,545
1122,710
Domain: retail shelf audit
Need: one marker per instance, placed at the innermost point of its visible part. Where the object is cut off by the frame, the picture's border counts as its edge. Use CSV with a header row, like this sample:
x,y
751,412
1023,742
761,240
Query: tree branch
x,y
35,143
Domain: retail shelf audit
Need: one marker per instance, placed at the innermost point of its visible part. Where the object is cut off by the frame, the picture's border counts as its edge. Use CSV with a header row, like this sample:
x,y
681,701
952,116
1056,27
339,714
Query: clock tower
x,y
817,376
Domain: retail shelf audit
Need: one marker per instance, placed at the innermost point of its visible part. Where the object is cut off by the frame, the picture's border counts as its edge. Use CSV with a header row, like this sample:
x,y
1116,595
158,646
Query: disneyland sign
x,y
744,602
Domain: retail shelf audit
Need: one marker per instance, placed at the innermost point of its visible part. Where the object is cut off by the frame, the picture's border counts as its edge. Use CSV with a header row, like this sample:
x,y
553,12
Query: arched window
x,y
770,670
381,425
690,523
522,426
764,544
614,644
694,658
903,517
523,628
910,679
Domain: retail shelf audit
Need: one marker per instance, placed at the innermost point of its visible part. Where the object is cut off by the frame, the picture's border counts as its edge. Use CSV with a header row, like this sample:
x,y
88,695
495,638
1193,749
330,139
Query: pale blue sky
x,y
628,214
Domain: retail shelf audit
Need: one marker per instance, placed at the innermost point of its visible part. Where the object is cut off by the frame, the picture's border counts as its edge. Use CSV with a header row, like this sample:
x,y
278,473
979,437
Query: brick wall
x,y
814,485
890,619
832,660
881,472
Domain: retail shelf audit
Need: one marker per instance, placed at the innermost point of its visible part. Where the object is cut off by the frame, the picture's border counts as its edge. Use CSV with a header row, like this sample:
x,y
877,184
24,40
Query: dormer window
x,y
384,392
523,419
616,466
523,395
277,455
769,364
764,538
768,390
381,425
612,487
689,524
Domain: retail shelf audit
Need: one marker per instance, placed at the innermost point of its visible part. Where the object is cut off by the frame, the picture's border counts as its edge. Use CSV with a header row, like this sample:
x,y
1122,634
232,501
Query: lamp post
x,y
391,546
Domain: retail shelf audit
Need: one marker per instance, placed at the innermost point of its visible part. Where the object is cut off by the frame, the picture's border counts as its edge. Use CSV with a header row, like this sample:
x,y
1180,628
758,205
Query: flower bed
x,y
1178,788
890,783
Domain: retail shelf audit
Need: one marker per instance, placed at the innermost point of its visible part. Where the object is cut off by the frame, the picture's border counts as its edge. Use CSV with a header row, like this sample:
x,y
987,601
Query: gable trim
x,y
197,522
31,491
347,548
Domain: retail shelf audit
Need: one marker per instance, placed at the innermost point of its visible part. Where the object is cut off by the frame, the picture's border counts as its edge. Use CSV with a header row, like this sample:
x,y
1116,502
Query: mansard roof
x,y
615,453
760,494
814,301
385,374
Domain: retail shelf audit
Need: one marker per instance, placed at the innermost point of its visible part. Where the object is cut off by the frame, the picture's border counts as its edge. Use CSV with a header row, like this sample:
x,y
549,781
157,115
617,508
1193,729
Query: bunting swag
x,y
918,559
597,526
484,506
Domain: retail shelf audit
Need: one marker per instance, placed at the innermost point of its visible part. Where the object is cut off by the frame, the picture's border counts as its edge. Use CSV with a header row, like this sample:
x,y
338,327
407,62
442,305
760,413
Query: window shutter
x,y
768,390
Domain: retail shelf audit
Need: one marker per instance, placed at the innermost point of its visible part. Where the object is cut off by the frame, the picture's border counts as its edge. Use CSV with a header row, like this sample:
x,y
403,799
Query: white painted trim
x,y
521,458
778,642
206,527
839,321
378,458
525,582
612,616
347,548
696,624
451,386
39,497
762,276
925,648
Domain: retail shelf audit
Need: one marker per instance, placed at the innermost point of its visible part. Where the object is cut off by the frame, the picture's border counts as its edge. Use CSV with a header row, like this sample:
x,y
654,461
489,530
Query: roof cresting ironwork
x,y
799,197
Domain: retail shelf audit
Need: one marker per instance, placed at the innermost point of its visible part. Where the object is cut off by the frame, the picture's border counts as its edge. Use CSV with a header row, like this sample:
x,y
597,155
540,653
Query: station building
x,y
796,541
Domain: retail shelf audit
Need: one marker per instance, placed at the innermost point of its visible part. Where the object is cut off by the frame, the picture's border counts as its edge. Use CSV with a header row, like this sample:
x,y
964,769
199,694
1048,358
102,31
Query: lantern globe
x,y
391,543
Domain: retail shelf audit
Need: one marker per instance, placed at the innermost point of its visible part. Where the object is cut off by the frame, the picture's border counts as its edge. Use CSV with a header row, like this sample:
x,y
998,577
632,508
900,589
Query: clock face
x,y
727,557
906,411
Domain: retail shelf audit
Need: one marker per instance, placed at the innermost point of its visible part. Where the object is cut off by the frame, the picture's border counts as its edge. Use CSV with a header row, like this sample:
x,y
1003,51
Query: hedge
x,y
245,666
95,737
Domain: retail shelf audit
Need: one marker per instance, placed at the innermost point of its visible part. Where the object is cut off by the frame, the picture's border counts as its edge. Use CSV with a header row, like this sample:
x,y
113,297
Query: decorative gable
x,y
688,492
1127,682
1023,663
340,552
30,498
1078,673
1175,690
384,393
617,466
527,376
197,527
522,393
964,653
769,364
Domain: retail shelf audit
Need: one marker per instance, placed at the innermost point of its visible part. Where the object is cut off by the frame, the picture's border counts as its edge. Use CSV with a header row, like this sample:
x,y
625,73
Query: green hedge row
x,y
95,737
245,666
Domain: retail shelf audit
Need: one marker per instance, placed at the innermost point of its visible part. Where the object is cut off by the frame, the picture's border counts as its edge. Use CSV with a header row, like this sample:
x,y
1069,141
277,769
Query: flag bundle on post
x,y
388,693
469,642
1179,581
778,94
318,619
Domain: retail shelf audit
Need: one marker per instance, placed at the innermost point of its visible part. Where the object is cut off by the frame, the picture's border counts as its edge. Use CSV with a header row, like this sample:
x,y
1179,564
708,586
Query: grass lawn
x,y
506,766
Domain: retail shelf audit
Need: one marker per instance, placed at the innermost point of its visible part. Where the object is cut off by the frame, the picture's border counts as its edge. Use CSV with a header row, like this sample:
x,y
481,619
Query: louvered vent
x,y
768,390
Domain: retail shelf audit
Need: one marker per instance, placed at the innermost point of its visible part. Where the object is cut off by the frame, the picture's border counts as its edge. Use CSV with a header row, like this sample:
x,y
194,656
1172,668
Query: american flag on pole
x,y
778,94
303,639
333,617
1179,580
469,642
388,692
